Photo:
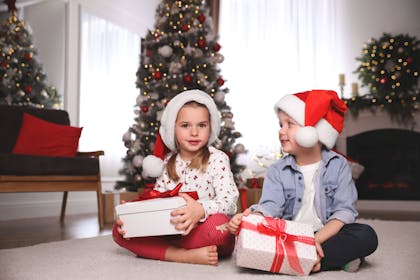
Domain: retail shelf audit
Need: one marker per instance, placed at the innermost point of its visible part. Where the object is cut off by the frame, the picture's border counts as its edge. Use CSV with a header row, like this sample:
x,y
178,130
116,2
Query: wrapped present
x,y
111,199
275,245
150,215
250,194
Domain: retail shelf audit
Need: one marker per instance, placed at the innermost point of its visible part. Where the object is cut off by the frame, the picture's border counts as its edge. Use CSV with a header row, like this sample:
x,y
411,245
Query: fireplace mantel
x,y
369,120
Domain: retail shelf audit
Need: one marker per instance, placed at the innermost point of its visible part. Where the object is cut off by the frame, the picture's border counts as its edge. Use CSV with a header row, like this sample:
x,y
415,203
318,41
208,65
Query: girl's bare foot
x,y
204,255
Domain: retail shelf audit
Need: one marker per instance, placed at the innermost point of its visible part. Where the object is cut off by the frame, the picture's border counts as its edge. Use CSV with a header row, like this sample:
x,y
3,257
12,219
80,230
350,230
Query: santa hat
x,y
320,112
153,165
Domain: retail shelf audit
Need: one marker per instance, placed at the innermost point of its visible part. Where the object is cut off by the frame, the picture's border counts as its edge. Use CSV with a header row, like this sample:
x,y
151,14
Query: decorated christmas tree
x,y
389,67
181,53
22,80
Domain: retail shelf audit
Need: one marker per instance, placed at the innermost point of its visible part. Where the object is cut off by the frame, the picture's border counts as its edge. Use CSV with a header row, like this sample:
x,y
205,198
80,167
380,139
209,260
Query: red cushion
x,y
43,138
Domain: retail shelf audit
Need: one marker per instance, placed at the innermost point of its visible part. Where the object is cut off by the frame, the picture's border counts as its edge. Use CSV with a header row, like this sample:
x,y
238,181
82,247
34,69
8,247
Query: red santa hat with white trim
x,y
320,112
165,142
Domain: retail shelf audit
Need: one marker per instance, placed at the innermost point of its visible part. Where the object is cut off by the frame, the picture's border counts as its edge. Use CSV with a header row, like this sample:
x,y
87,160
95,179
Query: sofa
x,y
27,164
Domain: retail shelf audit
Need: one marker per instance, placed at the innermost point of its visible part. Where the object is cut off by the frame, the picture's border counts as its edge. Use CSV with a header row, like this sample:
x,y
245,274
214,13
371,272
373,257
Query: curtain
x,y
109,61
272,48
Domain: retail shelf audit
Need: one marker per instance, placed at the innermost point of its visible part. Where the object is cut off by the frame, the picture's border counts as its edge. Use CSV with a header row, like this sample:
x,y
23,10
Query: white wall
x,y
55,22
361,20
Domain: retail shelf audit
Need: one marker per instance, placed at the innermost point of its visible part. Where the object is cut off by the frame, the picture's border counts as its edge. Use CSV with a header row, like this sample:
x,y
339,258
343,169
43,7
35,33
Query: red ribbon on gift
x,y
285,242
152,193
243,197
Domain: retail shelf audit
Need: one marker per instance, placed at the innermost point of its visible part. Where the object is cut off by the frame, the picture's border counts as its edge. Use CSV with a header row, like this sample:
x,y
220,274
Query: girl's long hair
x,y
200,161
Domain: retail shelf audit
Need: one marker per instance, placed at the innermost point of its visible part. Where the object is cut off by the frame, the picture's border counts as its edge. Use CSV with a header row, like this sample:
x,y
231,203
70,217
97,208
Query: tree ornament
x,y
216,47
220,82
165,51
138,161
188,79
201,18
157,75
27,89
201,43
144,109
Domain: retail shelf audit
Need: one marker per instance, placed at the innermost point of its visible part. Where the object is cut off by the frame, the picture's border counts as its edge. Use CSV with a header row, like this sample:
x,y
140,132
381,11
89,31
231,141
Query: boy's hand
x,y
235,222
187,217
320,255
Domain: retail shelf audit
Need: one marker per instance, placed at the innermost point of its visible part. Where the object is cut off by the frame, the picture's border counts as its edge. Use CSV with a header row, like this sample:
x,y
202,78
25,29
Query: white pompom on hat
x,y
165,142
320,112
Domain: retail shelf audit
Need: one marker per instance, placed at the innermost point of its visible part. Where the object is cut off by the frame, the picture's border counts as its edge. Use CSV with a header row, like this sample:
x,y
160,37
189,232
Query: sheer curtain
x,y
109,61
272,48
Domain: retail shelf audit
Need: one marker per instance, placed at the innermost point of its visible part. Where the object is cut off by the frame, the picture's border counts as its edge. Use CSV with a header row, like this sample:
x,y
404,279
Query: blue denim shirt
x,y
335,192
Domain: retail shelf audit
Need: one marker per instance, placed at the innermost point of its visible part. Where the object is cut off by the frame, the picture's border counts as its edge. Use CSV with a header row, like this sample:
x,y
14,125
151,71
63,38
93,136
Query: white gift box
x,y
256,247
149,217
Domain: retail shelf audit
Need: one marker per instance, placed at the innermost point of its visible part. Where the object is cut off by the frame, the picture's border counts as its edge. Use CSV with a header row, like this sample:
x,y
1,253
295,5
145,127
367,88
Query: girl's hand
x,y
235,222
320,255
120,223
187,217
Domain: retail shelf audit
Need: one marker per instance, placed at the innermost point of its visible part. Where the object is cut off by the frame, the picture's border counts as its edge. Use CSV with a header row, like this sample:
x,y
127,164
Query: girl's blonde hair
x,y
200,161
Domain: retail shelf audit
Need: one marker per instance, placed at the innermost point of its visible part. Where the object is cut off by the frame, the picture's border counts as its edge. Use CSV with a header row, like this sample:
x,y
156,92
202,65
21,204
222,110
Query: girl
x,y
314,185
189,125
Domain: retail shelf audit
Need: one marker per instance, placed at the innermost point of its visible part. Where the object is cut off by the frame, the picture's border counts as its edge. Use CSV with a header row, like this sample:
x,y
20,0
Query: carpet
x,y
101,258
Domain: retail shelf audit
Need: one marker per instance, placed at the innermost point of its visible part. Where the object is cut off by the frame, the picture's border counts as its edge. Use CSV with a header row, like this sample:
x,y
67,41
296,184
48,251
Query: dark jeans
x,y
351,242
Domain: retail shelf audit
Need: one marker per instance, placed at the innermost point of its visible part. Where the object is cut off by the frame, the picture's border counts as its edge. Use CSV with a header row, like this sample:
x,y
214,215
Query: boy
x,y
314,185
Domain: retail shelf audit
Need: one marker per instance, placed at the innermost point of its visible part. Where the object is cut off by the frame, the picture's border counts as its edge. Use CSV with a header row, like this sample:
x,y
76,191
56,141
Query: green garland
x,y
389,68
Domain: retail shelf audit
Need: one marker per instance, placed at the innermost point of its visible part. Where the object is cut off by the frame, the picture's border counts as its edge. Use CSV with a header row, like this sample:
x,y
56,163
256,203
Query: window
x,y
107,89
272,48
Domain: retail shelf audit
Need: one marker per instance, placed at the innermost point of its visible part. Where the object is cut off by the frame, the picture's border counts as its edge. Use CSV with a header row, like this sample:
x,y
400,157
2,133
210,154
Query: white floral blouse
x,y
216,188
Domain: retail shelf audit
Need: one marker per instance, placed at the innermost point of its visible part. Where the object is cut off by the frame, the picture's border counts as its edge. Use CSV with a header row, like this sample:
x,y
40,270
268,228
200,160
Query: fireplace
x,y
391,158
390,153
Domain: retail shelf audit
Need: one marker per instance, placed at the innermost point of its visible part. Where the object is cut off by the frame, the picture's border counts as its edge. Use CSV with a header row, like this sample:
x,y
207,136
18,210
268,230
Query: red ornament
x,y
144,109
157,75
383,81
201,18
216,47
409,59
220,81
149,53
27,89
185,27
201,43
27,56
3,64
188,79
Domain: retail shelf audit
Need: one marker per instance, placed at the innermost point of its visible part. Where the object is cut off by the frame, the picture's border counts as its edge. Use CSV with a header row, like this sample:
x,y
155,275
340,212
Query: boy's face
x,y
288,129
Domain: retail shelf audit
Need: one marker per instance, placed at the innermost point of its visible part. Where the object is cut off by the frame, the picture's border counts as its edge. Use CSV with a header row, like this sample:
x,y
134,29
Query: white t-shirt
x,y
307,213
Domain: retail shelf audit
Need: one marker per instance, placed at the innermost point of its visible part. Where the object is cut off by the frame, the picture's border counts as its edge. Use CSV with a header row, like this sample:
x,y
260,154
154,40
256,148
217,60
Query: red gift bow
x,y
151,193
284,242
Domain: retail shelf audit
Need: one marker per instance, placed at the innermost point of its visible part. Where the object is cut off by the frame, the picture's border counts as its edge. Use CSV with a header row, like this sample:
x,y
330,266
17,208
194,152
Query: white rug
x,y
100,258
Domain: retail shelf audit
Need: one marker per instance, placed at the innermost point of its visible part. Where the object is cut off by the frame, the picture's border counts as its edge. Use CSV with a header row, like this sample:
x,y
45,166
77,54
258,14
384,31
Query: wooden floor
x,y
27,232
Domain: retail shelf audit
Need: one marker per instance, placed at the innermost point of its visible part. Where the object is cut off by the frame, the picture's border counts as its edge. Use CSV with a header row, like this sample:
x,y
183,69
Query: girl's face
x,y
192,130
288,129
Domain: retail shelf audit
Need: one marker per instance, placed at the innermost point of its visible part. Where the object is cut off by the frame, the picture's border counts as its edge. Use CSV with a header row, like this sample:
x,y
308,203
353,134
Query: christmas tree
x,y
389,67
181,53
22,80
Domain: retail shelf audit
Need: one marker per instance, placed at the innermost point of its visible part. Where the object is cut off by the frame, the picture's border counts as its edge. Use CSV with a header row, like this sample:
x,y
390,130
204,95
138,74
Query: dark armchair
x,y
34,173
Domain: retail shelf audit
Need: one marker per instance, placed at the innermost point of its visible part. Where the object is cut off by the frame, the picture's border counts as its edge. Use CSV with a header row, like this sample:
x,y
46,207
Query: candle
x,y
354,89
341,80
